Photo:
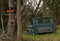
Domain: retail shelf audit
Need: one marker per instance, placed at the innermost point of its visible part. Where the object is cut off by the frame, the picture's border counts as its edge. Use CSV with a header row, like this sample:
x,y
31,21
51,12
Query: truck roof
x,y
43,17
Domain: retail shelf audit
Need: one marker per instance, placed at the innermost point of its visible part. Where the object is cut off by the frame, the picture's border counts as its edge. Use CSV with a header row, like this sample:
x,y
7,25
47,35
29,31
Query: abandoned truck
x,y
42,25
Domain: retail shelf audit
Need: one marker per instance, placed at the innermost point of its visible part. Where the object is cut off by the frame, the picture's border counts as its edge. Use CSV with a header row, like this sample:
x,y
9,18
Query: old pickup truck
x,y
42,25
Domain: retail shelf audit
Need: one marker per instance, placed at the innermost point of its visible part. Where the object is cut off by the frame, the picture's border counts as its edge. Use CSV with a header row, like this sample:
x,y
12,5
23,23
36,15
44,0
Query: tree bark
x,y
11,22
19,23
44,8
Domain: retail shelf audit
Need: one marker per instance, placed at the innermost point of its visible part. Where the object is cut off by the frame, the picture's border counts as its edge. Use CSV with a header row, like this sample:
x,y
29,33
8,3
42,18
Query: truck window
x,y
44,21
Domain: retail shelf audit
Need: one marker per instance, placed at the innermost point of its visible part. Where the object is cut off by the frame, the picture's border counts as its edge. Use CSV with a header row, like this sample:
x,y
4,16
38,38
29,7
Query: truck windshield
x,y
44,21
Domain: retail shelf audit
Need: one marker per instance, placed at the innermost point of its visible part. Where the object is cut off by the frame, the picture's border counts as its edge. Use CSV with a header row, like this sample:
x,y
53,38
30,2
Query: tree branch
x,y
37,7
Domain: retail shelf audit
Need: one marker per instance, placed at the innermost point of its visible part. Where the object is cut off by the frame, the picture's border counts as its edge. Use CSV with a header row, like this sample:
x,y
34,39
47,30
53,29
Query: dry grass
x,y
44,37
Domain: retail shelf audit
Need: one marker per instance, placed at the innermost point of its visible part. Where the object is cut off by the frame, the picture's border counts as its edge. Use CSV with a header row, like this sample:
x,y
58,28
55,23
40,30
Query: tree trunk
x,y
44,8
19,23
11,22
2,9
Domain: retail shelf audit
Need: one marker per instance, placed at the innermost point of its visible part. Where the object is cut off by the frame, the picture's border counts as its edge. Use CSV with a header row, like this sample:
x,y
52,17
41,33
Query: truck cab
x,y
42,25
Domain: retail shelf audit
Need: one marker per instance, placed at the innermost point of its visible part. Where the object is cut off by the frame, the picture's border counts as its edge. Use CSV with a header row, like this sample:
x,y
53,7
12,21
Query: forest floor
x,y
43,37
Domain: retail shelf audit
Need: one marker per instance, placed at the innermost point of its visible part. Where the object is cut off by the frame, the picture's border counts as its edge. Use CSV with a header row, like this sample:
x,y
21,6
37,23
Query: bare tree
x,y
11,21
19,23
36,10
44,7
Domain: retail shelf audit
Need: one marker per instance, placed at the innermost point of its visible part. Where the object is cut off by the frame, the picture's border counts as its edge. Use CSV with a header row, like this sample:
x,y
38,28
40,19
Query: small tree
x,y
19,23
